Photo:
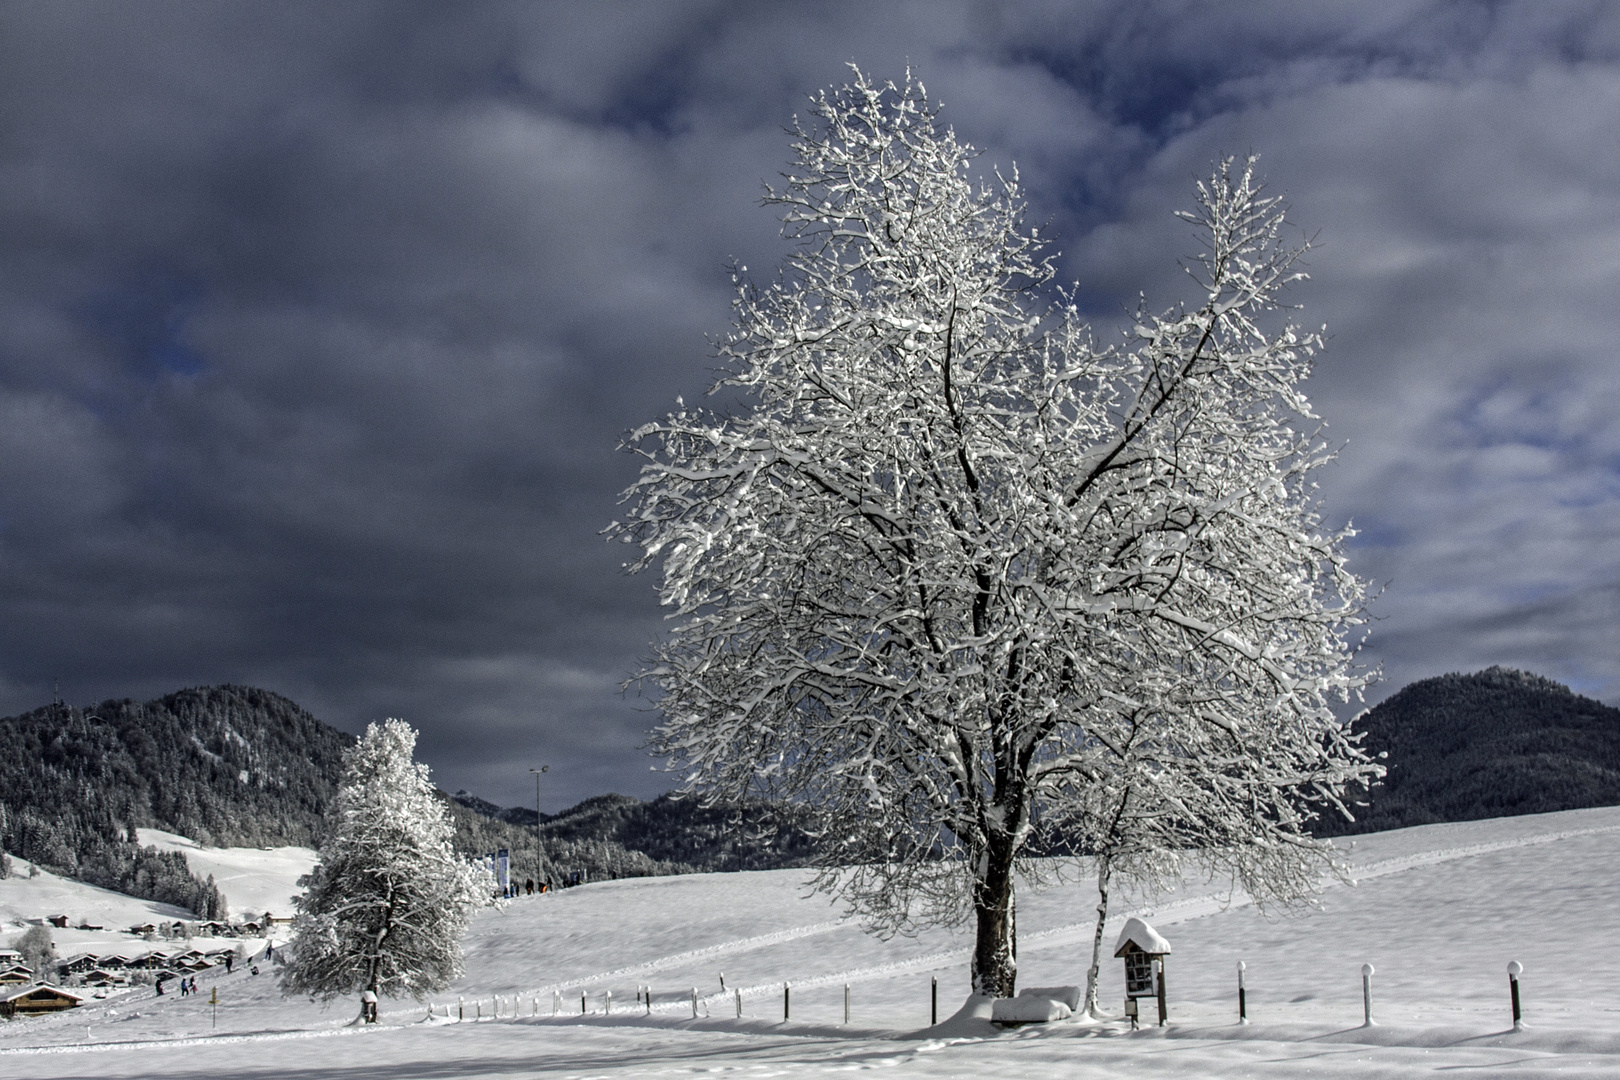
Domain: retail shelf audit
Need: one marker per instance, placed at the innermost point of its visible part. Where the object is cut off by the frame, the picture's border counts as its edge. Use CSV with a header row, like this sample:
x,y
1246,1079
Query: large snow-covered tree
x,y
385,908
953,572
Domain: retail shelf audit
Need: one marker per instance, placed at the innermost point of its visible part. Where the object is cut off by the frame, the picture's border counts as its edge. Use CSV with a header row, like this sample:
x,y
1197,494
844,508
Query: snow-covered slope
x,y
254,880
1439,910
31,894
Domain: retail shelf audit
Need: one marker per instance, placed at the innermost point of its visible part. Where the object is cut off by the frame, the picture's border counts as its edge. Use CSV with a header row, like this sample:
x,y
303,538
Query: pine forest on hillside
x,y
237,766
1497,743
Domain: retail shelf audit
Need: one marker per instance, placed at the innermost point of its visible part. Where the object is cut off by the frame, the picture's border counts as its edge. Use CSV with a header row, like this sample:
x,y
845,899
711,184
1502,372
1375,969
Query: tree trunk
x,y
995,948
1104,871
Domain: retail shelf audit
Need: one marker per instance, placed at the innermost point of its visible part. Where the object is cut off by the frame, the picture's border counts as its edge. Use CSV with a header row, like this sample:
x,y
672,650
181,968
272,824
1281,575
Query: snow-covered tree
x,y
952,572
38,951
386,906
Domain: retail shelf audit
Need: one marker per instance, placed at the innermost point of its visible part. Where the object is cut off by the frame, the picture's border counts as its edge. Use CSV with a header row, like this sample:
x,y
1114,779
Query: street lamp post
x,y
539,849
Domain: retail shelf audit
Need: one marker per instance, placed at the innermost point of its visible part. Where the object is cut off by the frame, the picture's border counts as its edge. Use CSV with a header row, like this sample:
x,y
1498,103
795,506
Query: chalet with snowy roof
x,y
58,921
37,1000
10,956
101,977
78,965
16,975
143,928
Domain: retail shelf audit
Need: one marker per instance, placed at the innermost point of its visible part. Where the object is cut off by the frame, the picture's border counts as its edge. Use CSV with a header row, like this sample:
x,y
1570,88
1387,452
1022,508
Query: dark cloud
x,y
319,324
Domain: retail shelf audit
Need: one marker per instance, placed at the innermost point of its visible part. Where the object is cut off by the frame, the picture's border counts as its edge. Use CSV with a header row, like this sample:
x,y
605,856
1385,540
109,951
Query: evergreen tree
x,y
386,906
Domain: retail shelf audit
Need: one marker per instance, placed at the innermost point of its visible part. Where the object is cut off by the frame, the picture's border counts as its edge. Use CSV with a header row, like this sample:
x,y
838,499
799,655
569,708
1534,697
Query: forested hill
x,y
617,835
1493,744
238,766
224,765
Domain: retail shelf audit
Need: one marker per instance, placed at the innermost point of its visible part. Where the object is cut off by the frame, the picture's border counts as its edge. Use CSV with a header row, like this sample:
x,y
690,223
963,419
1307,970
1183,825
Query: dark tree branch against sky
x,y
320,324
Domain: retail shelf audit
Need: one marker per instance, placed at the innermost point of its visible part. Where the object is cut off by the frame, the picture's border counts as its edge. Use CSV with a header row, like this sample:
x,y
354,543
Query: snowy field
x,y
252,880
1438,910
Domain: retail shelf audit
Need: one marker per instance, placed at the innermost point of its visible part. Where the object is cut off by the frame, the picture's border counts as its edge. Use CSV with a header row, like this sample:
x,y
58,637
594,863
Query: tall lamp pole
x,y
539,849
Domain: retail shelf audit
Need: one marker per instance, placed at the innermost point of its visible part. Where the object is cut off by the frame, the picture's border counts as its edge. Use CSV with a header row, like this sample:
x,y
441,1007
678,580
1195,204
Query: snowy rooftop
x,y
1143,936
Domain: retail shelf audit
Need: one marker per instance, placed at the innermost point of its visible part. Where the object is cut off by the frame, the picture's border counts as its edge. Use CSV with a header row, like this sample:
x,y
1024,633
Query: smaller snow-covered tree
x,y
38,951
386,906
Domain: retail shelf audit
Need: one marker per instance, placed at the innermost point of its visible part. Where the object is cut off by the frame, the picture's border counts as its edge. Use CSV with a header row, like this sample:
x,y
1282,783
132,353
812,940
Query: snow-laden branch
x,y
964,579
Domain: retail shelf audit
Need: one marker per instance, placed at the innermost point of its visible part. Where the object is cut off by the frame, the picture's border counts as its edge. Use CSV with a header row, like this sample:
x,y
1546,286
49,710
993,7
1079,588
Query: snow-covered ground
x,y
1438,910
33,894
253,880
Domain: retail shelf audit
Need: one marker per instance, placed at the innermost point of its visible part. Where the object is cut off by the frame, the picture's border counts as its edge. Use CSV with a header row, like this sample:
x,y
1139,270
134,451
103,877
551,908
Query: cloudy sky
x,y
320,322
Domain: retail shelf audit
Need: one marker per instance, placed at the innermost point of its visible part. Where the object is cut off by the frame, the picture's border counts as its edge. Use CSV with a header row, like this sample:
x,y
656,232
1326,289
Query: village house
x,y
79,964
37,1000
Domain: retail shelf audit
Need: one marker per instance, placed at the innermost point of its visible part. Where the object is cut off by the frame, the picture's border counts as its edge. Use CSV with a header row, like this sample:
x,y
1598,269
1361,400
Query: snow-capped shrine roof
x,y
1142,935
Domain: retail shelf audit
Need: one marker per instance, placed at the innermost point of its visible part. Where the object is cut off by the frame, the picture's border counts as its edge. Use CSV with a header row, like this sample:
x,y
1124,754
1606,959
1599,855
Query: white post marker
x,y
846,1003
1515,969
1366,995
461,1009
694,1003
1243,1002
608,999
739,1002
785,992
582,1003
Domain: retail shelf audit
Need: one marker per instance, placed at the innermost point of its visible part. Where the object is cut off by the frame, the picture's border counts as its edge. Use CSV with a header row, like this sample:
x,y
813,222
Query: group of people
x,y
188,984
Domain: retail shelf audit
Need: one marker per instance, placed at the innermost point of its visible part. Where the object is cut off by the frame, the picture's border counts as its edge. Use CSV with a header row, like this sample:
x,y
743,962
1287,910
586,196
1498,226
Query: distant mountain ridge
x,y
681,833
231,765
239,766
1497,743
